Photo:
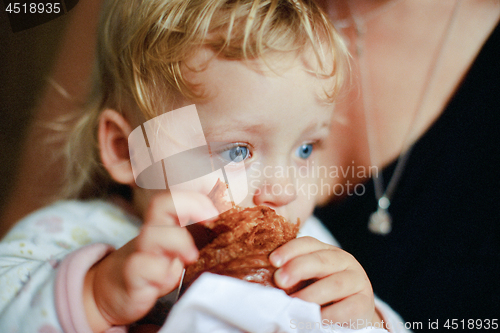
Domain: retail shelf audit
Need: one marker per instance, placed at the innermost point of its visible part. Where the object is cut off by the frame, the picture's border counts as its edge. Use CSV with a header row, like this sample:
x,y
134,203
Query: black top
x,y
442,258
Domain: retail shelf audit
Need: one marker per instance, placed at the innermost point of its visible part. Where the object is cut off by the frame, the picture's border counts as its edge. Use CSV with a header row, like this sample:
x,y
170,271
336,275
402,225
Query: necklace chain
x,y
380,221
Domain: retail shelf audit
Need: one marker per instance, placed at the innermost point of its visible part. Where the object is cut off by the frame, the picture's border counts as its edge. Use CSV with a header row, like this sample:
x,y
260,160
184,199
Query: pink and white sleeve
x,y
69,288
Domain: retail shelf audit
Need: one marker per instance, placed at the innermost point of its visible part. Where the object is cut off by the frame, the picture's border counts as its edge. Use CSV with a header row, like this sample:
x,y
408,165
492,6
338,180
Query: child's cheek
x,y
302,208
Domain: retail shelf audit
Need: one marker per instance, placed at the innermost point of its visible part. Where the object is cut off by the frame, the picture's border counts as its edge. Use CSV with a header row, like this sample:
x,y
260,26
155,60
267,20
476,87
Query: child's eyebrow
x,y
316,126
262,128
237,126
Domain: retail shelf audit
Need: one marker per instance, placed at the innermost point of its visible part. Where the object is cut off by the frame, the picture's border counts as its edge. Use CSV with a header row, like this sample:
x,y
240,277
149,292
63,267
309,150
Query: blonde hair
x,y
142,51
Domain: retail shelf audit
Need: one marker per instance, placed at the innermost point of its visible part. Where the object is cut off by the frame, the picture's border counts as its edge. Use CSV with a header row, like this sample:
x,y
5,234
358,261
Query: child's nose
x,y
275,192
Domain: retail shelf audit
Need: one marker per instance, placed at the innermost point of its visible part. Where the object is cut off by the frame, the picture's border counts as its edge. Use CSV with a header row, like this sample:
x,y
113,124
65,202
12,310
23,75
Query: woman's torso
x,y
442,258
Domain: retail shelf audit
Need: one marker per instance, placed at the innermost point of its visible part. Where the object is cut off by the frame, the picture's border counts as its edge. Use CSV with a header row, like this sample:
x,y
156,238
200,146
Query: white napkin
x,y
221,304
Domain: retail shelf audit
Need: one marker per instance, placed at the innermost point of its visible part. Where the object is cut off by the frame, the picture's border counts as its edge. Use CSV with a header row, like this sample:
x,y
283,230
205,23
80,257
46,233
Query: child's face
x,y
276,122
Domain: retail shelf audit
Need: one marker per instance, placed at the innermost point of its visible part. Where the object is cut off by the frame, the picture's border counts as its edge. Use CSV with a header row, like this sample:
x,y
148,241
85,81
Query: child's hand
x,y
125,285
342,288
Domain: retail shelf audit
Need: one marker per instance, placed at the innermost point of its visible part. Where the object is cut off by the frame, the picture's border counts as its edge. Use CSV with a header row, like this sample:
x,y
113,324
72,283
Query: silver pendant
x,y
380,222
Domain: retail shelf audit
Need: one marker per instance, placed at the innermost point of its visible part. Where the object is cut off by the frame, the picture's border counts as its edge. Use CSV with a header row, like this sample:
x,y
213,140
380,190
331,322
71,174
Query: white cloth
x,y
314,228
215,303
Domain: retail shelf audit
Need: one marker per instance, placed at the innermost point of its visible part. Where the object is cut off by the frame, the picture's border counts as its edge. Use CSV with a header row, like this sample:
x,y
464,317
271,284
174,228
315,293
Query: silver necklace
x,y
380,221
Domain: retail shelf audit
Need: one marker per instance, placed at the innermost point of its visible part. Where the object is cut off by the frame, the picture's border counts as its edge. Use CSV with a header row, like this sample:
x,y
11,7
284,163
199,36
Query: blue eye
x,y
235,154
304,151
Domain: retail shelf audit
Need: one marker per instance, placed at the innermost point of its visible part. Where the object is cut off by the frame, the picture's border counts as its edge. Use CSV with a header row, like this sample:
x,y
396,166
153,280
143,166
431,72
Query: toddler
x,y
263,76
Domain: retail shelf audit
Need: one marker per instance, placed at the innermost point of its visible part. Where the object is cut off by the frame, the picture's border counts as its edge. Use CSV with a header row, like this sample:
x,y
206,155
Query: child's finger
x,y
172,241
190,206
333,288
317,264
174,278
194,207
160,273
145,278
296,247
357,310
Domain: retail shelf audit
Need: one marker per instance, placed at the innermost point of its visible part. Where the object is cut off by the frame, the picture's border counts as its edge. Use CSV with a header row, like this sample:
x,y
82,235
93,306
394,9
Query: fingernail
x,y
282,278
276,260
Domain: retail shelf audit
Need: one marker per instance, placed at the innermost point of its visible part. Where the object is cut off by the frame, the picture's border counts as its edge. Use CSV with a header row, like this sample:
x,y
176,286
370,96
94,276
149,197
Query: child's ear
x,y
113,135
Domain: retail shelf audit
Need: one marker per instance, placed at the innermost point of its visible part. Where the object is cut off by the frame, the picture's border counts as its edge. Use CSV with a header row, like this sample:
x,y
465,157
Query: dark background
x,y
26,58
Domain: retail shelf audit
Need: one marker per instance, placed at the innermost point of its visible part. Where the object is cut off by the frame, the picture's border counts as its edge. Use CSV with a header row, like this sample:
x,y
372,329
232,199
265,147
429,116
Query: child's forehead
x,y
295,72
255,100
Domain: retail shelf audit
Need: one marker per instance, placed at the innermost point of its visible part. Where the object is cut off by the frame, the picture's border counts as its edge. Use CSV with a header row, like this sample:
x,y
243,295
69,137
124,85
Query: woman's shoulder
x,y
73,223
